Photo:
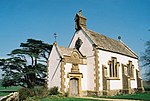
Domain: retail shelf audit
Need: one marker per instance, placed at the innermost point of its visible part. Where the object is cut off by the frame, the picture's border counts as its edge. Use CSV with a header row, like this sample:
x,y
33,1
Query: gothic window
x,y
130,69
113,67
78,43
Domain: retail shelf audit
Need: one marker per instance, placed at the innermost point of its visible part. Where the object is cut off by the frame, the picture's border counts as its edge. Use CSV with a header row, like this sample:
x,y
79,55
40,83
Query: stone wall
x,y
11,97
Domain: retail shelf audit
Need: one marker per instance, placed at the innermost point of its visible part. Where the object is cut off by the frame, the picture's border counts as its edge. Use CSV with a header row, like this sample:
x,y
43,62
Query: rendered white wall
x,y
67,70
115,84
53,69
83,70
133,84
105,56
87,50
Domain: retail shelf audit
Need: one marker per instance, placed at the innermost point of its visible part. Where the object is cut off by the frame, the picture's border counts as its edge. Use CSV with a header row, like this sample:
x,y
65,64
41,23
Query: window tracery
x,y
113,67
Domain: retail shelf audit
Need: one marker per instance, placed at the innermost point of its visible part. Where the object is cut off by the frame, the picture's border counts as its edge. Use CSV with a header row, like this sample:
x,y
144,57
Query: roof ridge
x,y
57,48
106,43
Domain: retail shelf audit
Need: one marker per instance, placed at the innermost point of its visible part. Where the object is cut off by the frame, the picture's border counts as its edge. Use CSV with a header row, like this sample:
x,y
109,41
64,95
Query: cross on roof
x,y
55,36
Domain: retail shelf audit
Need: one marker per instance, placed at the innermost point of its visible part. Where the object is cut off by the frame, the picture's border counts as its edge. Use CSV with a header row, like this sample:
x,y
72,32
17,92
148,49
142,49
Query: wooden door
x,y
74,87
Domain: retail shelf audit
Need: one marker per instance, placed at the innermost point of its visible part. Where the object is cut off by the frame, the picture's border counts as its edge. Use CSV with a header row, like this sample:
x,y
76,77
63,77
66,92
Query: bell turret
x,y
80,21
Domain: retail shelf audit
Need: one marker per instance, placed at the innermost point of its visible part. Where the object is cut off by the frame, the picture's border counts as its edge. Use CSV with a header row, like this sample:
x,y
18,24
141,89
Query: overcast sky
x,y
39,19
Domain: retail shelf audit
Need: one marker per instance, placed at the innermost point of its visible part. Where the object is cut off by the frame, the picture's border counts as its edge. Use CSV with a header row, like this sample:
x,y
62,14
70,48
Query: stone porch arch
x,y
75,59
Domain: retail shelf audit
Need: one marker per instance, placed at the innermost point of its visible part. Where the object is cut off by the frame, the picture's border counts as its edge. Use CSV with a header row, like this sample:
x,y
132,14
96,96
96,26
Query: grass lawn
x,y
5,91
58,98
69,99
12,88
136,96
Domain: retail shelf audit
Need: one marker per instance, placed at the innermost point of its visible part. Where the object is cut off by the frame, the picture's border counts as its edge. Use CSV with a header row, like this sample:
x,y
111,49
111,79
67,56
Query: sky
x,y
40,19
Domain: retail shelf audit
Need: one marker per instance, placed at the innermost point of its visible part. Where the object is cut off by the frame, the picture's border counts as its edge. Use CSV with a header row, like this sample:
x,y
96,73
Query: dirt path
x,y
108,99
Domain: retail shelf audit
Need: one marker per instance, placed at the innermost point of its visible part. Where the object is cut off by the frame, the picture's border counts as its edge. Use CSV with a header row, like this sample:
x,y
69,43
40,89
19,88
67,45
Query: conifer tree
x,y
26,66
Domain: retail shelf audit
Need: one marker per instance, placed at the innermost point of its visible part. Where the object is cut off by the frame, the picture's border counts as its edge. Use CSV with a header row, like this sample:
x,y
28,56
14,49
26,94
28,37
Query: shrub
x,y
40,91
53,91
24,93
34,98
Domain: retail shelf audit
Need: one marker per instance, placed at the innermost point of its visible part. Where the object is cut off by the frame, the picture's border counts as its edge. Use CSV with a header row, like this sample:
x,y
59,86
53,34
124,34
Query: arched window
x,y
78,43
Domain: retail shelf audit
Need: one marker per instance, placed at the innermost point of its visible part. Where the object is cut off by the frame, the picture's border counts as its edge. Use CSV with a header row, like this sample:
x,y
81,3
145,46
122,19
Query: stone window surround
x,y
130,69
113,69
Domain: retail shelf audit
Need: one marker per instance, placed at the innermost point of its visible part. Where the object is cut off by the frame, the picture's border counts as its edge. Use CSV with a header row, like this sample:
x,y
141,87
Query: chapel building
x,y
93,64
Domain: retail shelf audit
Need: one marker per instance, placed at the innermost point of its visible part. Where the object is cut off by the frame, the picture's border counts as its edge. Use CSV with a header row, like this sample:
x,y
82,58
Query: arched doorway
x,y
74,87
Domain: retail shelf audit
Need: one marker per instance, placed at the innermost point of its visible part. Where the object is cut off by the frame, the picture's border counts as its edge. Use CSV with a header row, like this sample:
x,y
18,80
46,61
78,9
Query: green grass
x,y
4,93
69,99
6,90
136,96
59,98
12,88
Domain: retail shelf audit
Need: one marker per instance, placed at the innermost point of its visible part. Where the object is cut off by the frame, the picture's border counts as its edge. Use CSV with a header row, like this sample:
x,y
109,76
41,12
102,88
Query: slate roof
x,y
109,44
65,51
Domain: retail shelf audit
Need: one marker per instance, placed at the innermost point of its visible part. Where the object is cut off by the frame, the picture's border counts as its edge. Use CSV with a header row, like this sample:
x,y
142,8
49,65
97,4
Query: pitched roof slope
x,y
65,51
106,43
